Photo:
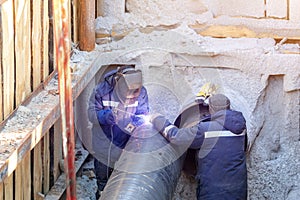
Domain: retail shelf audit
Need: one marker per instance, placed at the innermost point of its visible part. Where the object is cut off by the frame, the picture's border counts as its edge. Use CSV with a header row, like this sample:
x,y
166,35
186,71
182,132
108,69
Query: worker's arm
x,y
96,111
182,136
143,106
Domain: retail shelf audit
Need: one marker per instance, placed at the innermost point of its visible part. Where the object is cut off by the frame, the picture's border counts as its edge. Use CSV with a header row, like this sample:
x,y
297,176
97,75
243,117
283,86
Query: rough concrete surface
x,y
261,82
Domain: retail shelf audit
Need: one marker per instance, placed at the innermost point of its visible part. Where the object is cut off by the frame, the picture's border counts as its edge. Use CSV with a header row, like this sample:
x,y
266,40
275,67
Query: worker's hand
x,y
159,122
106,117
138,120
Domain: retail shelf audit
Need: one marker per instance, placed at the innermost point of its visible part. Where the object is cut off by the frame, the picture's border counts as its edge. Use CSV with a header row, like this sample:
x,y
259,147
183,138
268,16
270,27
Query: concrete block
x,y
294,8
240,8
276,8
113,8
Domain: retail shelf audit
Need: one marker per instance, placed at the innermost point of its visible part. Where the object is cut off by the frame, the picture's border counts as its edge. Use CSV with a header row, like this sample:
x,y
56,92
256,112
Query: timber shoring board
x,y
8,55
22,49
1,191
36,43
75,17
57,150
1,49
23,179
46,162
37,170
9,187
18,140
59,187
45,43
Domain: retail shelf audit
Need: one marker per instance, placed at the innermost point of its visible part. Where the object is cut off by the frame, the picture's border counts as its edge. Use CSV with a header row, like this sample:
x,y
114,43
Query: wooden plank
x,y
27,176
22,49
100,9
70,20
1,191
8,71
2,1
87,28
246,30
26,137
75,21
45,44
19,190
57,154
1,49
36,42
23,179
9,188
38,170
59,187
46,163
28,56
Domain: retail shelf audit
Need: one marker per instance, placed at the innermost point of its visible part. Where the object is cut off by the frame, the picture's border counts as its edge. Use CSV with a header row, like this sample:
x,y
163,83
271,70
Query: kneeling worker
x,y
220,139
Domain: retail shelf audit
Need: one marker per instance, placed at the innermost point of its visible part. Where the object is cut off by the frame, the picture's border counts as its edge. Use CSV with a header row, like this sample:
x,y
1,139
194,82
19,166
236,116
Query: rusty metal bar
x,y
62,48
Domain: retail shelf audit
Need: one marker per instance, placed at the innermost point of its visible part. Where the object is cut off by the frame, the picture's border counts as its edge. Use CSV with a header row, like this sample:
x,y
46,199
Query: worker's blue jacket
x,y
221,141
109,140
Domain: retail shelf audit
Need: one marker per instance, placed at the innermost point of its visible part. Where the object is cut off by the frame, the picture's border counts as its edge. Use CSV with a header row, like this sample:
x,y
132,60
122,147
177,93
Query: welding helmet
x,y
128,83
218,102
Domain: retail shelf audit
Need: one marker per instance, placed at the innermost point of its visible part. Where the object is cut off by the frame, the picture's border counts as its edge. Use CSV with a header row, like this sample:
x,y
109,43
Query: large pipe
x,y
148,169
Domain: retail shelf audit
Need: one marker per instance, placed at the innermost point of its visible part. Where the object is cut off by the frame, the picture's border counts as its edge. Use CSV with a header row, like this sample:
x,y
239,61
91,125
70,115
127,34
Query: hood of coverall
x,y
128,84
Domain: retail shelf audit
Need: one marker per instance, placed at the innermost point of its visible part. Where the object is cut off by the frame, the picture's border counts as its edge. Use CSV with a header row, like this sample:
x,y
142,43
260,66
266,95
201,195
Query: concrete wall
x,y
170,40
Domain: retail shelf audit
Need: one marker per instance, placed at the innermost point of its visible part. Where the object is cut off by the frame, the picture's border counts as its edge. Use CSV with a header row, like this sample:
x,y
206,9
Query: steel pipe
x,y
148,169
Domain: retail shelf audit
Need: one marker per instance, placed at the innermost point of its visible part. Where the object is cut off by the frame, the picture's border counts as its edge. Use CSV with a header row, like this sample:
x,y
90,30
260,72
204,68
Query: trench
x,y
165,86
159,182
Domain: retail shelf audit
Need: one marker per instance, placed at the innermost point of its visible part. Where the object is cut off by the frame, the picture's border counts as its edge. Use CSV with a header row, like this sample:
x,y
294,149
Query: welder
x,y
115,109
220,140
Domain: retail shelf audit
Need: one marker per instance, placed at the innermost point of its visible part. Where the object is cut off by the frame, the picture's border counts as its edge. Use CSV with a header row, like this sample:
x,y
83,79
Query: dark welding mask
x,y
128,84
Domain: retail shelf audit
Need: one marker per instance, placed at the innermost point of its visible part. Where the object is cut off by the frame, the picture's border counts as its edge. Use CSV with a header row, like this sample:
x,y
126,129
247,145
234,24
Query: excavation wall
x,y
180,45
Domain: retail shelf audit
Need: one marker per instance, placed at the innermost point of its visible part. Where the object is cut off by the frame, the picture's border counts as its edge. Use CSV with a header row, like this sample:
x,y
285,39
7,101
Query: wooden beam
x,y
45,39
23,179
246,30
1,52
46,162
22,49
9,187
87,36
36,43
8,55
57,150
38,170
100,8
59,187
18,140
75,21
1,192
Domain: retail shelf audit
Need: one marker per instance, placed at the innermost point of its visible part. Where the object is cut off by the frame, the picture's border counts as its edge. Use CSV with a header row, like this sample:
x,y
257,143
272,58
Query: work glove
x,y
159,122
106,117
138,120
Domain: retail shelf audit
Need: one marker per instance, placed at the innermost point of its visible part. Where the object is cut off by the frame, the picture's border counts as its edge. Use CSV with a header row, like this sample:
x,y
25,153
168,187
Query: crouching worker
x,y
221,142
115,109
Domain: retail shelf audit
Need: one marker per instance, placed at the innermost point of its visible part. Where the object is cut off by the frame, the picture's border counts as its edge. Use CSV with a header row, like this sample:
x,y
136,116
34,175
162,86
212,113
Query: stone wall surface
x,y
259,75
